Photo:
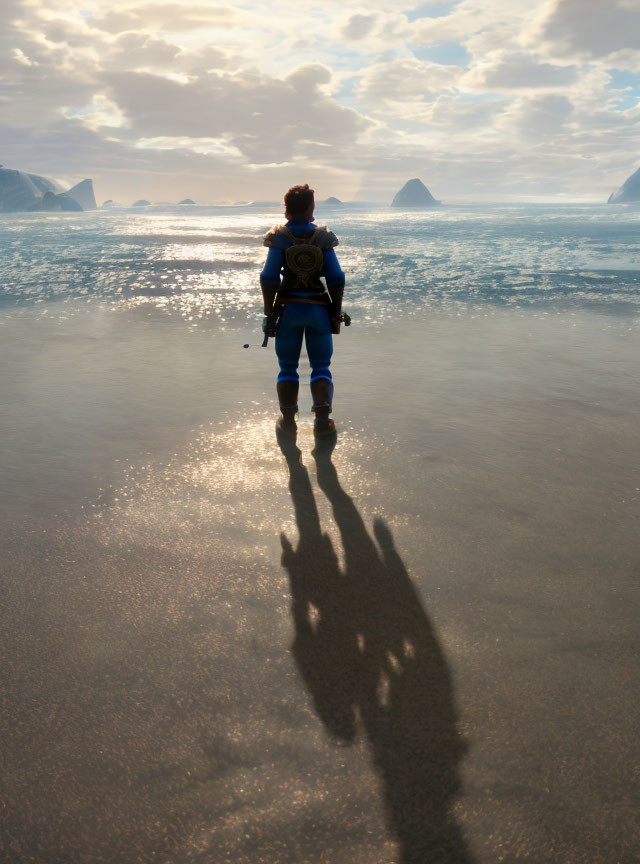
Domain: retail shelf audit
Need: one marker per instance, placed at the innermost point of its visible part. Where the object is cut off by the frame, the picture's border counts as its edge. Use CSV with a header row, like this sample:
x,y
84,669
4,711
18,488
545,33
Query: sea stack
x,y
83,194
629,191
415,194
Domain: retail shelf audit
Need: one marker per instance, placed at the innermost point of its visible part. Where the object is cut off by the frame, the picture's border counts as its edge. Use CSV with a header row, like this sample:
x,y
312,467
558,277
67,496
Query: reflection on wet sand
x,y
370,660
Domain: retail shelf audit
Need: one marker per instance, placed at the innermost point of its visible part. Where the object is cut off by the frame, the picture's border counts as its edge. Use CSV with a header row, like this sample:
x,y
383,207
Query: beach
x,y
418,646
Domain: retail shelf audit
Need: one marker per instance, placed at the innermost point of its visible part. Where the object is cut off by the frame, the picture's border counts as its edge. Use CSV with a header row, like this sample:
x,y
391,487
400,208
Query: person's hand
x,y
337,320
269,326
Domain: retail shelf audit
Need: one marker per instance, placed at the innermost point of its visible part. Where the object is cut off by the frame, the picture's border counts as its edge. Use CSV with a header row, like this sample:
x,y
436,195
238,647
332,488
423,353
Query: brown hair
x,y
298,199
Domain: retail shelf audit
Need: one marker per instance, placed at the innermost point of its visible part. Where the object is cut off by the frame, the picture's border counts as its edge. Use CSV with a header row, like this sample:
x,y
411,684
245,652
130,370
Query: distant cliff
x,y
629,191
20,192
415,194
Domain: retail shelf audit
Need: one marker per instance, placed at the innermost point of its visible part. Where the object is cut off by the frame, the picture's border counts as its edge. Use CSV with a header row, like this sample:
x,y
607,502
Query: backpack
x,y
303,257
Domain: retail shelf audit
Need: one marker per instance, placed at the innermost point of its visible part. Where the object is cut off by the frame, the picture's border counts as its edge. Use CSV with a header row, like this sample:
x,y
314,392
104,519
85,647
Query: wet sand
x,y
418,646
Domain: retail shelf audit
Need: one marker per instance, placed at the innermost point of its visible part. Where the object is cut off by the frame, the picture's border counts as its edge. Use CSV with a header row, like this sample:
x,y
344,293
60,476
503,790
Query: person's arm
x,y
334,277
270,278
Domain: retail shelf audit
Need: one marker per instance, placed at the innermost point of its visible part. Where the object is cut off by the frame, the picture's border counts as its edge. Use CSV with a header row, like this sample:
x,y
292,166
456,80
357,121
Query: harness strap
x,y
295,239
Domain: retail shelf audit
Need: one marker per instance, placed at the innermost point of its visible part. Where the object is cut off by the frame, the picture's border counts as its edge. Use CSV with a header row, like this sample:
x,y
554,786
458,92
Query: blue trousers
x,y
312,322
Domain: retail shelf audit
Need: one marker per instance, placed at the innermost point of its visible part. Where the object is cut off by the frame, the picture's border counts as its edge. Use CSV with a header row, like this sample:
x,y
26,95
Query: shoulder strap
x,y
322,237
325,238
271,237
284,230
299,240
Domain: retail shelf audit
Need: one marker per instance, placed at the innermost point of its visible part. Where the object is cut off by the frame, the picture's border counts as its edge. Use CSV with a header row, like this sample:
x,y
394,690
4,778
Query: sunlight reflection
x,y
231,481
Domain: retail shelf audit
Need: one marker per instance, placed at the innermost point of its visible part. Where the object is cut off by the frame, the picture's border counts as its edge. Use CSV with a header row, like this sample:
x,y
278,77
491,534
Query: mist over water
x,y
203,261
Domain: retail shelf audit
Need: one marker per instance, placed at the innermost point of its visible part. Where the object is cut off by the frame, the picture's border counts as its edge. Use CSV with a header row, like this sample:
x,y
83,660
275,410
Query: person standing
x,y
297,305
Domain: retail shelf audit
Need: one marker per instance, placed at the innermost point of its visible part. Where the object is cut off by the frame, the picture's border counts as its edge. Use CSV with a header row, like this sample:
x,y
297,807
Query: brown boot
x,y
288,399
322,393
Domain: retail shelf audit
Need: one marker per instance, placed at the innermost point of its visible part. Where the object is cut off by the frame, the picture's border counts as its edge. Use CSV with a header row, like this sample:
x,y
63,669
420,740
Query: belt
x,y
284,301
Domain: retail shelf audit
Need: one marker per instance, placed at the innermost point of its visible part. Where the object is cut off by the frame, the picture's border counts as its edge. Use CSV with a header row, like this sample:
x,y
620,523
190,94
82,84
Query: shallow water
x,y
203,659
202,261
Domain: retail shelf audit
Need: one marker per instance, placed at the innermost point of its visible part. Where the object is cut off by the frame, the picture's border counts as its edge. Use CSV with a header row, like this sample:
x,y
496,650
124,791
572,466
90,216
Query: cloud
x,y
588,28
466,18
139,51
406,80
374,33
100,113
174,17
463,121
168,170
32,99
70,151
538,118
11,9
266,118
518,70
203,60
358,26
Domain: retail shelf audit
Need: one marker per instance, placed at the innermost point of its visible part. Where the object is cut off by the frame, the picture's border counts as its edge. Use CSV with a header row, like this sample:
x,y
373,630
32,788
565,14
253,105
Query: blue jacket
x,y
331,271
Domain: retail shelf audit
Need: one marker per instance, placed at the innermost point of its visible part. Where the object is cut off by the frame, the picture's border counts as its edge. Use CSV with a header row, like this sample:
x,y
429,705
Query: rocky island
x,y
52,203
333,202
629,191
21,192
415,194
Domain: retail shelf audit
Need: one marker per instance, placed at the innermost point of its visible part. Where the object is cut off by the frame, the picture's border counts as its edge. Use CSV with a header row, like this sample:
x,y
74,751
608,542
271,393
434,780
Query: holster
x,y
335,307
268,297
336,293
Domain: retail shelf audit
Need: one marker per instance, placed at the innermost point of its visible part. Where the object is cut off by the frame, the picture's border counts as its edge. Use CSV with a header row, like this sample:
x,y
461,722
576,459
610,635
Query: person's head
x,y
299,203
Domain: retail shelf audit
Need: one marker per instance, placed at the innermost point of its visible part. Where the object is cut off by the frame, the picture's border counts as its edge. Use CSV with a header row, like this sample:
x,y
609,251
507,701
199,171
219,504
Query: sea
x,y
202,263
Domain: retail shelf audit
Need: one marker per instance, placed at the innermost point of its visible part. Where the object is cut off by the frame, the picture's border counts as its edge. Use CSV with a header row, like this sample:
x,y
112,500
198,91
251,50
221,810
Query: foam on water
x,y
204,263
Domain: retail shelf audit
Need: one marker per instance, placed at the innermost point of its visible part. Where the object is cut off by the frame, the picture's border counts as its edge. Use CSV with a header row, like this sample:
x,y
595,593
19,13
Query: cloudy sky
x,y
482,99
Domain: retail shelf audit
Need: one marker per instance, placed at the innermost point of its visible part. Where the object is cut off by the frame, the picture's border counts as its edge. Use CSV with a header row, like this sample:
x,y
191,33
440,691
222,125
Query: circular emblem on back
x,y
304,260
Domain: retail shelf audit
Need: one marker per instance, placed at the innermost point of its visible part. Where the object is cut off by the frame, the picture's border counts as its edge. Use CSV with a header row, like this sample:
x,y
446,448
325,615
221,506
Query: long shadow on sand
x,y
371,662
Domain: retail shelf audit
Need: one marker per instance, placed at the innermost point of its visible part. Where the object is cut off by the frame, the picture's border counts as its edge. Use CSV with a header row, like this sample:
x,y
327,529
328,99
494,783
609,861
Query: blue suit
x,y
302,320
